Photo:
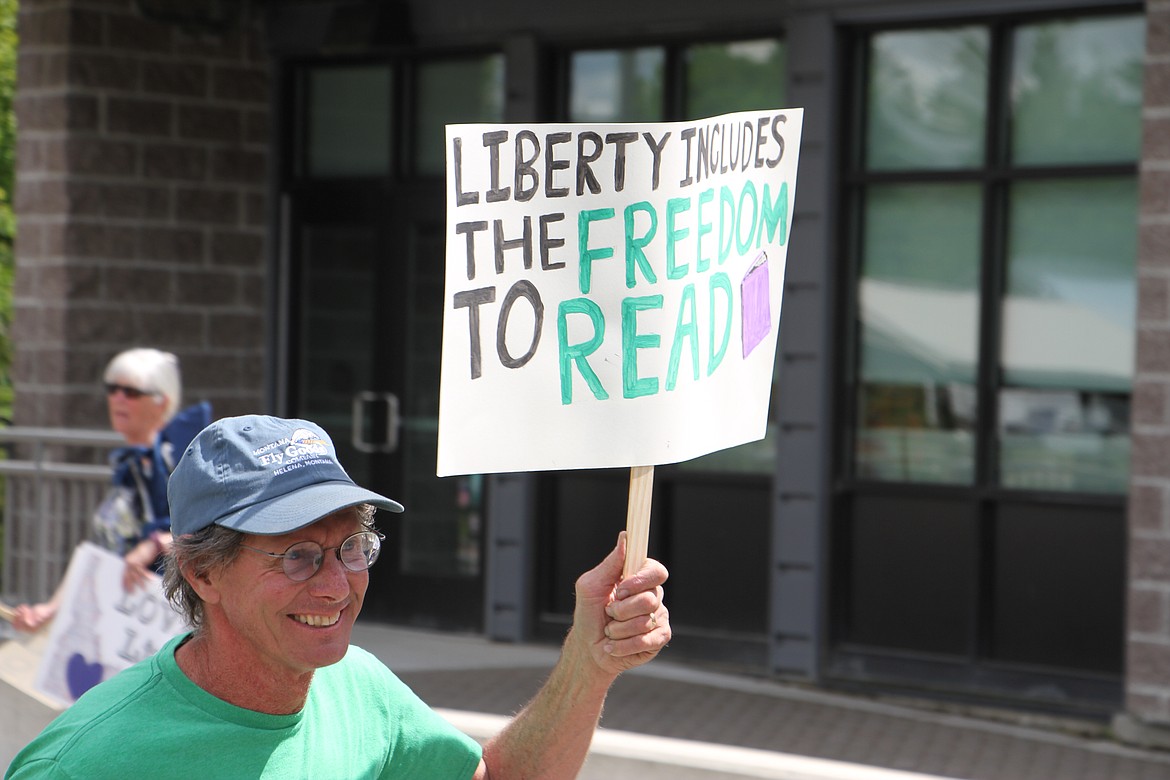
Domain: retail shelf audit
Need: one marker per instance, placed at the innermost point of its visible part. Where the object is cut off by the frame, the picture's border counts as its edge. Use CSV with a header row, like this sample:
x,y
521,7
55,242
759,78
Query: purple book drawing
x,y
755,294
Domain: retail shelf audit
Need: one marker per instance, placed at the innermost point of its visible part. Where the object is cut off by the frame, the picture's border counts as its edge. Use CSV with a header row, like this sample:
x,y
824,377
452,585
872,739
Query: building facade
x,y
965,488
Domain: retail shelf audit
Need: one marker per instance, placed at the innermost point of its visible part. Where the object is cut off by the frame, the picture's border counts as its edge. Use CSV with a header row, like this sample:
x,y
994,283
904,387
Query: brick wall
x,y
1148,624
140,198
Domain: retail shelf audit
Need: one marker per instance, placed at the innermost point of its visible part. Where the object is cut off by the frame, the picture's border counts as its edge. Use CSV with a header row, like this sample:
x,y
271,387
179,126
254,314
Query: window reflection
x,y
917,403
1065,249
348,121
927,100
1068,335
1077,91
919,315
737,76
1054,439
616,85
467,90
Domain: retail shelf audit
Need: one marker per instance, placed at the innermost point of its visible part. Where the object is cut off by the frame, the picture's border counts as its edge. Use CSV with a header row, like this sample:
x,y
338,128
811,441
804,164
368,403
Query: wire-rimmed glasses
x,y
302,560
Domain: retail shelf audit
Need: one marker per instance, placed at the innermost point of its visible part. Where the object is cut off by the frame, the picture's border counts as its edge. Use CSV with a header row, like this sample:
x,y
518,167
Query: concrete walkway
x,y
670,721
673,721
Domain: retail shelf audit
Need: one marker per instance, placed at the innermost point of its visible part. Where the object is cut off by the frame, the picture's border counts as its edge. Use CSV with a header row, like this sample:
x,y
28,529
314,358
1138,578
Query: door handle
x,y
368,401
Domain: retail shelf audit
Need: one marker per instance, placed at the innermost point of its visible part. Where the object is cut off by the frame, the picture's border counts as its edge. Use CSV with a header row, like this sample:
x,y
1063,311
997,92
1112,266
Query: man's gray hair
x,y
210,549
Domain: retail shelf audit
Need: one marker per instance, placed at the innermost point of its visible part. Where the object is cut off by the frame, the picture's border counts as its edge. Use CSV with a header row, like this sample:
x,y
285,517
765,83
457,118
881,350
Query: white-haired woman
x,y
143,394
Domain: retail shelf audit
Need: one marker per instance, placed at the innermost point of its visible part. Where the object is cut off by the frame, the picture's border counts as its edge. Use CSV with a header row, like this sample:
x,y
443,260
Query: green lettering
x,y
587,255
775,215
632,385
726,224
719,281
577,353
703,263
749,188
687,329
674,207
634,246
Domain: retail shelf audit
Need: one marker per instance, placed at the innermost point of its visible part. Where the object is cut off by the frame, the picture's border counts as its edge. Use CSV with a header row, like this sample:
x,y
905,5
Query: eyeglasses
x,y
133,393
302,560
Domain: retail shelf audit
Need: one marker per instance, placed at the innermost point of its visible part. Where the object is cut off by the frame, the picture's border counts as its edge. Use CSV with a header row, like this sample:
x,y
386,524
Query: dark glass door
x,y
365,285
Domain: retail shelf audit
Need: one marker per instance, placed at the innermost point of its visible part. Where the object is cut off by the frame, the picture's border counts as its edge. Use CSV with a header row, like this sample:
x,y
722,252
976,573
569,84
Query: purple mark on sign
x,y
755,294
82,675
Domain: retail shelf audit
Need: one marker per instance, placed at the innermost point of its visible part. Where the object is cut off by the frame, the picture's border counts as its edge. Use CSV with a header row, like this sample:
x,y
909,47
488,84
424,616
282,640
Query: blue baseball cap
x,y
262,475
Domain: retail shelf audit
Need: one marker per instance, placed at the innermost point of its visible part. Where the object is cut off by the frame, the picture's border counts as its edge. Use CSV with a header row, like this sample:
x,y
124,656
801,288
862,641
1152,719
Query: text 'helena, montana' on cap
x,y
262,475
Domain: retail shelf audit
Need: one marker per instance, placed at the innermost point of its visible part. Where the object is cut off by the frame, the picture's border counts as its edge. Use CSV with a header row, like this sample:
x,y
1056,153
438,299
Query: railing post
x,y
42,493
41,572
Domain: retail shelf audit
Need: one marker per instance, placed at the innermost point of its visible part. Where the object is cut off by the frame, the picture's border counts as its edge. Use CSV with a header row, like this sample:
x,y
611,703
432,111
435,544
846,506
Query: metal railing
x,y
54,480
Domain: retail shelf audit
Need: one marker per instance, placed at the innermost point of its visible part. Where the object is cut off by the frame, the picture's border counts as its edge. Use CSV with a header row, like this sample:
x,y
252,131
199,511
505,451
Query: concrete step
x,y
23,713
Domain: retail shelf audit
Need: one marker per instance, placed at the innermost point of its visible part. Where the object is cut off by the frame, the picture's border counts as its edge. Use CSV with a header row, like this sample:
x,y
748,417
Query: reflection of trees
x,y
956,107
1077,90
639,87
923,235
927,98
721,80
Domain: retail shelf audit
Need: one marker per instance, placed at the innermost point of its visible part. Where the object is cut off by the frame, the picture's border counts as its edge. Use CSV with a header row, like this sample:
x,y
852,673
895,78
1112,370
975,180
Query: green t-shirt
x,y
360,721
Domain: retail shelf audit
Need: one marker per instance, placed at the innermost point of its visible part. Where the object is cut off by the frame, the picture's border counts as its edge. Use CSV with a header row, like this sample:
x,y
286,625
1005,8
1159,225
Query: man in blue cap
x,y
273,542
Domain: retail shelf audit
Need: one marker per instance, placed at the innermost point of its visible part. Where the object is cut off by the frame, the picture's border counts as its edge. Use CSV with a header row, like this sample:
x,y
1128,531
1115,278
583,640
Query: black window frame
x,y
974,672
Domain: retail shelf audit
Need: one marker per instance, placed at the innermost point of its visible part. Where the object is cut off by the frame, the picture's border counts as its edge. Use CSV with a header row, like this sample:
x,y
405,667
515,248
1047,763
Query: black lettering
x,y
585,177
461,198
656,150
124,606
147,610
761,123
126,652
687,135
525,167
779,140
734,155
502,244
619,140
470,229
552,164
472,300
722,149
492,141
747,134
703,163
522,289
547,243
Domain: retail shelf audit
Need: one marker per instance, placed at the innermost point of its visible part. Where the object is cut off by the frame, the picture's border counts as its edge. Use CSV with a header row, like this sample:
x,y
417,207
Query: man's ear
x,y
205,583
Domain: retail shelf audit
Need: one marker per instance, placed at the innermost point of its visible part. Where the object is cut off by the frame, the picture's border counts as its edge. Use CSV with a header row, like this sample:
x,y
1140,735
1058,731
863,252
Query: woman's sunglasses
x,y
133,393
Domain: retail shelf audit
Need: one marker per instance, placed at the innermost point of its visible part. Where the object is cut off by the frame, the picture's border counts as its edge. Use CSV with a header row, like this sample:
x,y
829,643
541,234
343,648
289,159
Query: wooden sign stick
x,y
638,518
7,612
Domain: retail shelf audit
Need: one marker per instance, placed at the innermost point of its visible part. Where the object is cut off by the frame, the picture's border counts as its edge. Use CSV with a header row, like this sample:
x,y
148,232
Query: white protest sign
x,y
613,292
101,629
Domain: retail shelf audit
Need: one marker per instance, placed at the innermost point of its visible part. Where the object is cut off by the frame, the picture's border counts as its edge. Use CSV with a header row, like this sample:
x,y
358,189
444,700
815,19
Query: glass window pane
x,y
337,304
927,99
467,90
616,86
1070,300
737,76
1068,335
1077,91
348,121
919,311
